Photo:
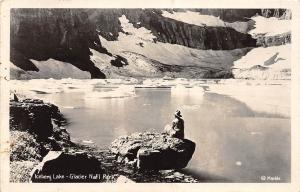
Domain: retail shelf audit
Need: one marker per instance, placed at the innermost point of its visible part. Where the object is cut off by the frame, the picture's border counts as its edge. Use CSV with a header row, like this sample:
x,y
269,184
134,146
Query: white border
x,y
294,186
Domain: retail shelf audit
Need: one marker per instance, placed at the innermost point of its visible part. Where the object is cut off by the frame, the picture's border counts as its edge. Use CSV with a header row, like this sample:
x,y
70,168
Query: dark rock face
x,y
65,35
153,151
119,61
35,116
276,40
64,167
278,13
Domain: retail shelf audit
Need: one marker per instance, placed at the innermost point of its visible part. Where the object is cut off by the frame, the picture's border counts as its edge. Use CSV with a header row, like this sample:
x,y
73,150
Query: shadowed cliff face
x,y
67,34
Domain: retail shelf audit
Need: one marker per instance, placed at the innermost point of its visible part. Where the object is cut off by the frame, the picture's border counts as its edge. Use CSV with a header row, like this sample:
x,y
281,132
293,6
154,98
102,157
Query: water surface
x,y
233,142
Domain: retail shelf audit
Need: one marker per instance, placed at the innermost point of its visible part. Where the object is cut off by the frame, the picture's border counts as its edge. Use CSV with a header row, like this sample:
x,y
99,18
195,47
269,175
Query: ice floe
x,y
121,92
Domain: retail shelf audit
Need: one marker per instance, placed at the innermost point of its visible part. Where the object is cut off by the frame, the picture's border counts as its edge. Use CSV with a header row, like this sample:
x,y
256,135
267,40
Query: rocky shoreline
x,y
42,151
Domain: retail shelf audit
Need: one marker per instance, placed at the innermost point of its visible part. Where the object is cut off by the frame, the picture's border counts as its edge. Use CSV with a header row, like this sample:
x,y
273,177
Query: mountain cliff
x,y
109,43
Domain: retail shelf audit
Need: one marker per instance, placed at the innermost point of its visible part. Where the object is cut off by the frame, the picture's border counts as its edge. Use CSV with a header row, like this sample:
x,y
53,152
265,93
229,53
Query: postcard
x,y
150,96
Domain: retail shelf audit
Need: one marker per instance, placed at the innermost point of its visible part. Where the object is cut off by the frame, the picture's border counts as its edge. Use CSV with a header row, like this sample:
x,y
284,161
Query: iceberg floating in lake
x,y
181,90
120,92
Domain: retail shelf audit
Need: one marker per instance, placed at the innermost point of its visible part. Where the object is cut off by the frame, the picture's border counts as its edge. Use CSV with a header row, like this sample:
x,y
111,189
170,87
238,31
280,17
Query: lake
x,y
234,143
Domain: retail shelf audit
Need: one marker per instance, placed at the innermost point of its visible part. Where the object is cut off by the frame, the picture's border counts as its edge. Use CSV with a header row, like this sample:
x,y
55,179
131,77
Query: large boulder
x,y
61,167
153,151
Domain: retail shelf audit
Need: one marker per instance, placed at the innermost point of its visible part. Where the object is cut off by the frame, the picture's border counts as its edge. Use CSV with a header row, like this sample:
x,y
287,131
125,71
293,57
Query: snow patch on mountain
x,y
50,68
270,26
265,63
194,18
141,33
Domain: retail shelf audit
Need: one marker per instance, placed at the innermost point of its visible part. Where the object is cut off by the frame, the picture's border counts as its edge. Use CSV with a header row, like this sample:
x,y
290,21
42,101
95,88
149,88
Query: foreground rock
x,y
153,151
34,116
35,129
61,167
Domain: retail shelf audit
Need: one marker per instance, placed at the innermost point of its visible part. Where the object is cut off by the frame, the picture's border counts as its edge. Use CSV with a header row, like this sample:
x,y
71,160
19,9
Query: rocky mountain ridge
x,y
68,35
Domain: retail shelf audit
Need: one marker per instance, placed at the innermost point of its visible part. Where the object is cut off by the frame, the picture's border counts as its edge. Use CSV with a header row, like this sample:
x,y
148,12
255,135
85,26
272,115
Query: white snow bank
x,y
270,26
278,57
49,69
194,18
139,33
275,62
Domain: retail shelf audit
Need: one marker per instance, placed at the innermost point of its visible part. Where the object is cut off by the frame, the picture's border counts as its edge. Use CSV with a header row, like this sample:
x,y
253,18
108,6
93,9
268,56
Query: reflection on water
x,y
234,143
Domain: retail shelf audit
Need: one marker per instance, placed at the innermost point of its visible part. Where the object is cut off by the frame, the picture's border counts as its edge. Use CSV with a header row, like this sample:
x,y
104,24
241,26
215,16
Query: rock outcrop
x,y
62,167
35,116
35,129
280,39
278,13
153,151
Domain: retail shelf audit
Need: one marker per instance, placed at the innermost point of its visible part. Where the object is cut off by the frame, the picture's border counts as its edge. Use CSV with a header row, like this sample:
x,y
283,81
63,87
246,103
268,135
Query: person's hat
x,y
177,113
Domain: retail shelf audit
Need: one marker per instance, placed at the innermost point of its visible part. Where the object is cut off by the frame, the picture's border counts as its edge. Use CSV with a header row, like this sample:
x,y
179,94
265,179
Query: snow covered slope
x,y
49,69
265,63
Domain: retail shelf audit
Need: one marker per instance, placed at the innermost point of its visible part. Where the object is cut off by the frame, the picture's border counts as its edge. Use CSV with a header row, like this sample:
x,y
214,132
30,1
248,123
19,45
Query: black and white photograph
x,y
150,95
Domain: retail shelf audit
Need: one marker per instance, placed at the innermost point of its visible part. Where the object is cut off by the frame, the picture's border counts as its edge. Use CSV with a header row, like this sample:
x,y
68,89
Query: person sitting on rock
x,y
177,128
